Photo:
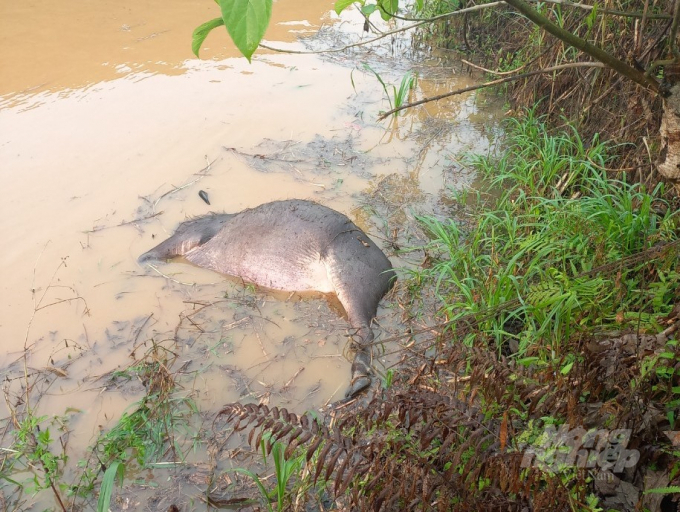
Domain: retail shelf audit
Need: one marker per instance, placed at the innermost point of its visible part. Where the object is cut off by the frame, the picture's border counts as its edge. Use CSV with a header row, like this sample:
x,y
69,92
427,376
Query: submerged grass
x,y
158,427
554,250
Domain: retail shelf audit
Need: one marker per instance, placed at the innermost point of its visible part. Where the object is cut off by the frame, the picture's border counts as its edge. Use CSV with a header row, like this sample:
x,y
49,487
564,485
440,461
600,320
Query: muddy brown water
x,y
109,127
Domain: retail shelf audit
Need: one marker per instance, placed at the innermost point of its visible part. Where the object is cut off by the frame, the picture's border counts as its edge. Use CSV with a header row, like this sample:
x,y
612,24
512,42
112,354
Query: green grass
x,y
33,453
286,471
558,253
158,427
558,217
398,96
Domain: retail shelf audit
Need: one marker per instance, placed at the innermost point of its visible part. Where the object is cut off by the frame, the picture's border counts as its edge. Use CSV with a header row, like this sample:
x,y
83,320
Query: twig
x,y
170,278
667,332
290,381
491,71
126,223
491,84
61,301
263,157
176,189
264,352
142,327
384,34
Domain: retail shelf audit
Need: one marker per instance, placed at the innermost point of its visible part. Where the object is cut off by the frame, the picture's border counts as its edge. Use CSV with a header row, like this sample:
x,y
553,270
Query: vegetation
x,y
546,245
159,424
397,97
286,466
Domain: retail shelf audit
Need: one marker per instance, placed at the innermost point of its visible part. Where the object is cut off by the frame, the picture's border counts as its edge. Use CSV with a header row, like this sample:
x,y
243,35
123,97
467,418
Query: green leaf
x,y
263,490
341,5
201,32
567,368
116,469
246,22
368,9
663,490
388,8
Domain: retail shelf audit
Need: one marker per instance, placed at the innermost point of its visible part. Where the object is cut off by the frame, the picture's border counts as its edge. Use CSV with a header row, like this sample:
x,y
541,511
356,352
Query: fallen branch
x,y
467,10
491,84
126,223
384,34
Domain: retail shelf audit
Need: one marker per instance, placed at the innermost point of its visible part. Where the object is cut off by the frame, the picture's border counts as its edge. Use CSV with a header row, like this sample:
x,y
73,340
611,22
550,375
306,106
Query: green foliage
x,y
398,96
673,489
662,370
201,32
143,433
386,8
284,471
341,5
33,449
159,425
116,471
245,20
557,219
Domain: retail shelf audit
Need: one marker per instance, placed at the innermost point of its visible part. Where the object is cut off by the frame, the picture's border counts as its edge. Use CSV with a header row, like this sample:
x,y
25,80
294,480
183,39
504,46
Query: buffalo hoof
x,y
358,385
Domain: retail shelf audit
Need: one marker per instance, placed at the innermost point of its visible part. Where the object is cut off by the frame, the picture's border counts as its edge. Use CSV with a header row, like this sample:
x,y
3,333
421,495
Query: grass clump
x,y
158,427
563,249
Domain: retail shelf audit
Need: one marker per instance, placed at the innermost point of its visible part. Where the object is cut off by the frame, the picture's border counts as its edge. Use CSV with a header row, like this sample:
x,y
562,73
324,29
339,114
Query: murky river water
x,y
109,128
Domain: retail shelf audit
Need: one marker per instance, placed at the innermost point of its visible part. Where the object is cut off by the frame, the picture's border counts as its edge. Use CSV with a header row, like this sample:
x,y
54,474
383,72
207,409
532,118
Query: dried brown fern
x,y
412,449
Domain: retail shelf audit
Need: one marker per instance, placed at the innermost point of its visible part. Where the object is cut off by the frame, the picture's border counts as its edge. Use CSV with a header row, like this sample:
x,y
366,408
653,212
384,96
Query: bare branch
x,y
674,29
643,14
385,34
589,49
492,83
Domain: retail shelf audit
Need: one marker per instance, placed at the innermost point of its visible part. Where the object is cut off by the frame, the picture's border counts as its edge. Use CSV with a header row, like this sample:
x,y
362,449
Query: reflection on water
x,y
109,128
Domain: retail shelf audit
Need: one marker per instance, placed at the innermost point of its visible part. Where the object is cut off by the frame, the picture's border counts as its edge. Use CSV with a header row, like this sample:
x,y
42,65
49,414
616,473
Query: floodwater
x,y
109,127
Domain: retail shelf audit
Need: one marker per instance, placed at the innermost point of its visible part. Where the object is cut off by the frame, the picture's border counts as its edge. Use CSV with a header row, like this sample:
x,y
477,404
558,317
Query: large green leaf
x,y
246,21
388,8
200,33
369,9
116,471
341,5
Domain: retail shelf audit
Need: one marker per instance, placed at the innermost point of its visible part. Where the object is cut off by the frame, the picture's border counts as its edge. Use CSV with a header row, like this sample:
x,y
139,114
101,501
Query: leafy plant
x,y
407,450
160,423
116,471
673,489
33,440
541,253
246,22
398,96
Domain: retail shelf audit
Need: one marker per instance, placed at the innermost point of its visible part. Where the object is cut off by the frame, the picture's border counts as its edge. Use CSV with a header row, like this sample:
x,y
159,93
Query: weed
x,y
398,96
33,446
116,471
285,468
557,219
159,424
